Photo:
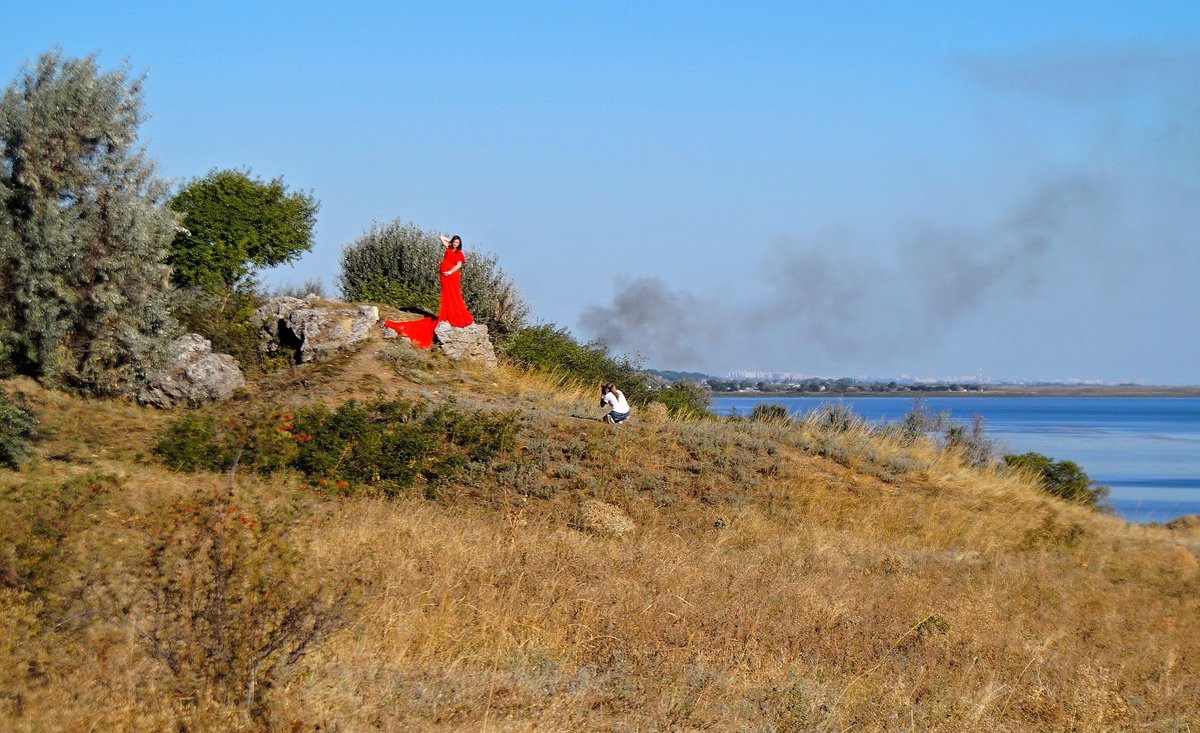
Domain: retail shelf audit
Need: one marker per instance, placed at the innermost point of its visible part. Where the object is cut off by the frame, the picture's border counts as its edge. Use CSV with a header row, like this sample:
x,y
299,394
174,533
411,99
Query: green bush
x,y
17,427
769,412
550,348
684,399
381,445
1064,479
262,442
398,264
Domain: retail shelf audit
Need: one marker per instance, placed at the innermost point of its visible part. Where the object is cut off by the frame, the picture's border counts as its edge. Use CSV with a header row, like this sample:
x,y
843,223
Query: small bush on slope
x,y
17,427
382,445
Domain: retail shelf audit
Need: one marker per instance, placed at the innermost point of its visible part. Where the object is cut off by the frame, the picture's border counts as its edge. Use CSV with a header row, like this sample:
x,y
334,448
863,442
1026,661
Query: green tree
x,y
83,234
234,224
1064,479
397,264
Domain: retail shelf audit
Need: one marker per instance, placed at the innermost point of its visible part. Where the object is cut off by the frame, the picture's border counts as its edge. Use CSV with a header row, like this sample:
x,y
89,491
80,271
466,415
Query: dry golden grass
x,y
776,578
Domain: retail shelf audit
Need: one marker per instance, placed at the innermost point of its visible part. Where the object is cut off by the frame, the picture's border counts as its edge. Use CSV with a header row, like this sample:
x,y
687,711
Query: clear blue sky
x,y
933,189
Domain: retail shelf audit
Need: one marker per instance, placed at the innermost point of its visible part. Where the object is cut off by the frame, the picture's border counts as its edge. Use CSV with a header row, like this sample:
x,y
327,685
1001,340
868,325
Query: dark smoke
x,y
669,325
830,293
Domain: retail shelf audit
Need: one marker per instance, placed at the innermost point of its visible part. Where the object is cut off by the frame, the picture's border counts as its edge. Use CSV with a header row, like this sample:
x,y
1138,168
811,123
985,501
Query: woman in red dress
x,y
452,309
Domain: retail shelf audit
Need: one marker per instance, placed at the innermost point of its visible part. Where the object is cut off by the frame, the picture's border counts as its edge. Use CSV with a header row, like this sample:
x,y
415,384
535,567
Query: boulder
x,y
194,375
322,331
470,343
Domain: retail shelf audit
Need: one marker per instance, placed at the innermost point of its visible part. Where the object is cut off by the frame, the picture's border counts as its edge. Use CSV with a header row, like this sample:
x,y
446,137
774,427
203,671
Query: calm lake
x,y
1146,449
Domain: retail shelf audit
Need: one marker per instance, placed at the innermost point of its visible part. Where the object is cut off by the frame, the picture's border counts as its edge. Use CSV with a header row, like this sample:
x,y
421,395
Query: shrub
x,y
919,422
684,399
17,427
39,556
836,417
550,348
226,318
398,264
1064,479
226,599
312,286
769,412
387,445
971,442
262,442
83,234
383,445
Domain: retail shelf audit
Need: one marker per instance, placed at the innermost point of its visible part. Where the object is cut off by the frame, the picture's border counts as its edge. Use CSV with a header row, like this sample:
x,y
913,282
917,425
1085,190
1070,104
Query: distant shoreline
x,y
997,391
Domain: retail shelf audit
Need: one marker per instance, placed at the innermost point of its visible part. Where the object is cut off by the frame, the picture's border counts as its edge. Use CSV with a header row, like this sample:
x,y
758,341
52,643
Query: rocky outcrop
x,y
470,343
271,315
194,375
314,332
322,331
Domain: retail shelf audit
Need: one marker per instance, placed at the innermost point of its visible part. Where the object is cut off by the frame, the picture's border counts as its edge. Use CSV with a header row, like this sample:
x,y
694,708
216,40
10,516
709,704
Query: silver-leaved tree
x,y
83,231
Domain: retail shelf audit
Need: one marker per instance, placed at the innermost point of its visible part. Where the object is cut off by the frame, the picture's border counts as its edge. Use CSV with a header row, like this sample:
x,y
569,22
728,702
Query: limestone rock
x,y
194,375
470,343
315,332
271,315
322,331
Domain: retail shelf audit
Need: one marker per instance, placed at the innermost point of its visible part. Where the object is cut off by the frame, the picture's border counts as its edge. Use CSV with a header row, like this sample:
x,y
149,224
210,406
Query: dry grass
x,y
776,577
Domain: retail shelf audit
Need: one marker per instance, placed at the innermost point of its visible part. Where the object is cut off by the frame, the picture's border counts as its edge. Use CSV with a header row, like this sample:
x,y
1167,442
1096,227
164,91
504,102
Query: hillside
x,y
657,575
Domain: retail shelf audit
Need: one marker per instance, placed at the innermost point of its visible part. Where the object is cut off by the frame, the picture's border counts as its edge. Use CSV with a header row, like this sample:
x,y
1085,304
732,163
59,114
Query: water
x,y
1145,449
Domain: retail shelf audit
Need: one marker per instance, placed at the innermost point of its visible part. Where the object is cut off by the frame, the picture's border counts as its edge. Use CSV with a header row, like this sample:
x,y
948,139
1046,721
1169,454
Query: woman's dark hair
x,y
454,239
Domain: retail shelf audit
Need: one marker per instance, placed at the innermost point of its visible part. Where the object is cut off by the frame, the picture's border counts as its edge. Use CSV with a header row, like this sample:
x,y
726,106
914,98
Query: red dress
x,y
452,309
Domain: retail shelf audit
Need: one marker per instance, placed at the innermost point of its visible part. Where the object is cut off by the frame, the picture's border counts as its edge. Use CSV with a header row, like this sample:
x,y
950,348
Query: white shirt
x,y
616,400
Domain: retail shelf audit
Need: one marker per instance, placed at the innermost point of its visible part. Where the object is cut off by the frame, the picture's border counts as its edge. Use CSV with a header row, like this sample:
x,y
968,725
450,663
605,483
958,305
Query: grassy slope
x,y
766,586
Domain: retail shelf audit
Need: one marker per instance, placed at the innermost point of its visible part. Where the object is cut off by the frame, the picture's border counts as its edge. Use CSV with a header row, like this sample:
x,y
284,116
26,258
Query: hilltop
x,y
664,574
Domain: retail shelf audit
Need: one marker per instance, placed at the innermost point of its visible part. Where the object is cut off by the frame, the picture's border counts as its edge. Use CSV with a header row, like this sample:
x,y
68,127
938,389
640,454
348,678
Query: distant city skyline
x,y
828,188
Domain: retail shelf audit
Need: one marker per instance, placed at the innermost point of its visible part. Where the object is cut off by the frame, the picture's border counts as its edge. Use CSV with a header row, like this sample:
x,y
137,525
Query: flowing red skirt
x,y
452,310
420,331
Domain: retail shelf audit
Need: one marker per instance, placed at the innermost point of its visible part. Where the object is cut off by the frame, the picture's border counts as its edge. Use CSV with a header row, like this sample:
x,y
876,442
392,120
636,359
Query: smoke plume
x,y
832,291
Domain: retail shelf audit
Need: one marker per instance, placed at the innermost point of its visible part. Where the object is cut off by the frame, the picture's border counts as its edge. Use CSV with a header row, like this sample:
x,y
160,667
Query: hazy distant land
x,y
794,386
999,390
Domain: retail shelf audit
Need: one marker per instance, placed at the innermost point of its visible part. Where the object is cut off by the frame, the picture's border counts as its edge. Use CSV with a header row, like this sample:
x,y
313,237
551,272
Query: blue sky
x,y
932,189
